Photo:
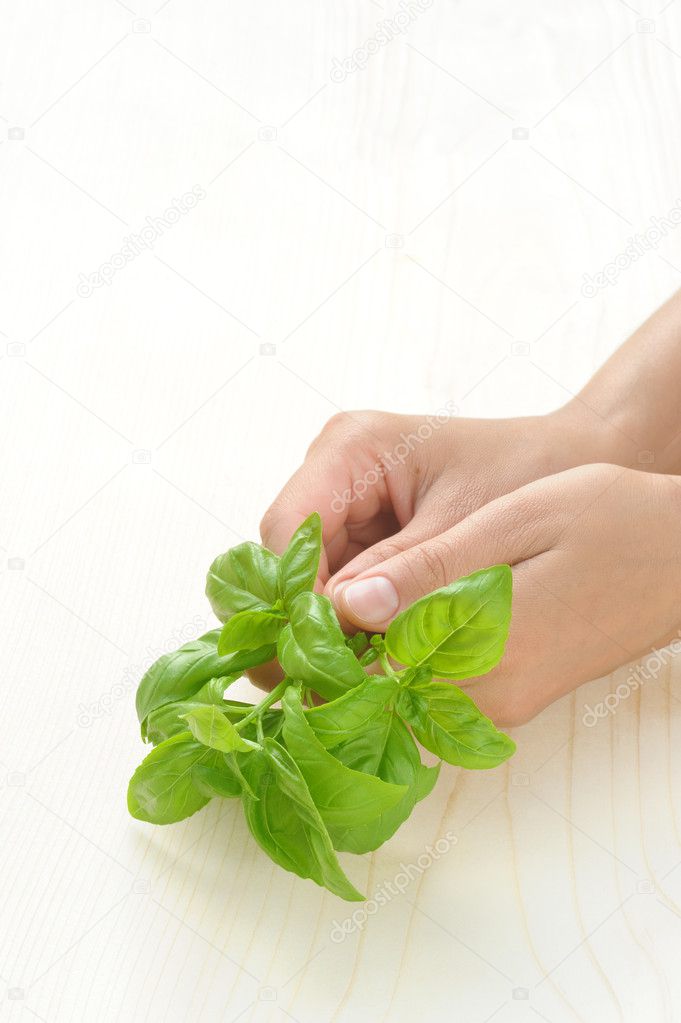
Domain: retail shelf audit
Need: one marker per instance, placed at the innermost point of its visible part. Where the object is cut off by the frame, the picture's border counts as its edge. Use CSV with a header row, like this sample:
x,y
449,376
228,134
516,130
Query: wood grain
x,y
400,237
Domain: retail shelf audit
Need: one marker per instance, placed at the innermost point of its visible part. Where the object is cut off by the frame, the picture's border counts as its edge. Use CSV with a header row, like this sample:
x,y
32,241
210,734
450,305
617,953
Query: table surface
x,y
390,216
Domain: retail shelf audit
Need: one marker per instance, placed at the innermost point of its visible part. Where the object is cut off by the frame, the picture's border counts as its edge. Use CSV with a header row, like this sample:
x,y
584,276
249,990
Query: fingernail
x,y
371,600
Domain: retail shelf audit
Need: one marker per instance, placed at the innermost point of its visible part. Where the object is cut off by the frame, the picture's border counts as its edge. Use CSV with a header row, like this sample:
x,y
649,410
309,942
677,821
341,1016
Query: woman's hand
x,y
596,556
385,484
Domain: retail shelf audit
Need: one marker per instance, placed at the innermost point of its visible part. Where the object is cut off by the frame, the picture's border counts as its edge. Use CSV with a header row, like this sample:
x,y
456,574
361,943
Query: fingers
x,y
342,454
417,531
506,531
424,524
309,489
353,539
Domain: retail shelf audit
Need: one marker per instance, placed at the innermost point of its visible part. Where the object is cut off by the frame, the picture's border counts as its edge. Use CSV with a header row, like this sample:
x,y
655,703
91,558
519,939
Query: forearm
x,y
631,408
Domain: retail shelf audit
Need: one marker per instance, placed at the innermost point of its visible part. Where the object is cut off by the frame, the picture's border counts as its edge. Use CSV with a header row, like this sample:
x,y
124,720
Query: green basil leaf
x,y
272,722
213,729
285,822
408,704
346,799
414,678
312,648
299,563
387,750
357,643
348,716
426,777
180,674
460,630
162,789
217,781
168,719
242,579
448,723
248,630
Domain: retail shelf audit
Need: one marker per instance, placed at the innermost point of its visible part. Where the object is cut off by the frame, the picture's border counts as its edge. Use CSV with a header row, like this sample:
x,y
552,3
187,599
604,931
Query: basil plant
x,y
336,765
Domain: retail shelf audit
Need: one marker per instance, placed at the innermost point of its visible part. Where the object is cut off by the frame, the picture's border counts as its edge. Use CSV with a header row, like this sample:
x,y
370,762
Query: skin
x,y
584,504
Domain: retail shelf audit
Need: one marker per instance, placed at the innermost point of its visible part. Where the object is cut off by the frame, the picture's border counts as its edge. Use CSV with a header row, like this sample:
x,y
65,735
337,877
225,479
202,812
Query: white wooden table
x,y
397,235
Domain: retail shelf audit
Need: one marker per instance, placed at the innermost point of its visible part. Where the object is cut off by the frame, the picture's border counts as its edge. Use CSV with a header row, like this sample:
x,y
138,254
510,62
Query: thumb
x,y
503,532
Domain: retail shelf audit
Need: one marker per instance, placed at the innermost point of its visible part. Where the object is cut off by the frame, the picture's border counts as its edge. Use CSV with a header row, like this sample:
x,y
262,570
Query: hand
x,y
386,484
596,556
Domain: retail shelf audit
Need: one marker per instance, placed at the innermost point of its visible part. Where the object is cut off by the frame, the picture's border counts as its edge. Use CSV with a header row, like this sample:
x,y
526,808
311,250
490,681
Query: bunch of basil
x,y
314,778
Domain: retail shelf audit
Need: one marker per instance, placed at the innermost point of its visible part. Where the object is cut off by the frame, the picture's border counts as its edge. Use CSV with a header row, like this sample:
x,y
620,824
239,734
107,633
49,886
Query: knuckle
x,y
598,477
605,471
345,423
521,521
334,424
342,429
430,564
391,548
268,521
528,508
357,425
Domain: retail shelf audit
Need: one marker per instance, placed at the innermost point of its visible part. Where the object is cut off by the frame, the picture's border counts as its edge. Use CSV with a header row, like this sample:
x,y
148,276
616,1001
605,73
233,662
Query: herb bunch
x,y
316,778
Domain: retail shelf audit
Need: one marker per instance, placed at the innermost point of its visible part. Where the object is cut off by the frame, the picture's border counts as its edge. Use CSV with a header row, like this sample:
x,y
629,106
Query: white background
x,y
560,900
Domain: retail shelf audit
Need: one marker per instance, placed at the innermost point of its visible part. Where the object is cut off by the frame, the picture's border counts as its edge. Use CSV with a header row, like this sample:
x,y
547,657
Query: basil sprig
x,y
317,778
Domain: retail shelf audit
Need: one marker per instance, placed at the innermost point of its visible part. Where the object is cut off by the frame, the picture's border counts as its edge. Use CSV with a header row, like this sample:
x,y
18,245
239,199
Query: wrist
x,y
581,436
